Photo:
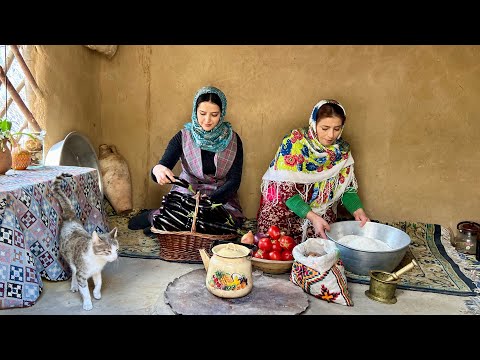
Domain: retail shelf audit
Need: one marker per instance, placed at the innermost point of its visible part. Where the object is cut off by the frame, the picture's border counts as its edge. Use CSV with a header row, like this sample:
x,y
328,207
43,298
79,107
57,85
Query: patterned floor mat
x,y
133,243
442,269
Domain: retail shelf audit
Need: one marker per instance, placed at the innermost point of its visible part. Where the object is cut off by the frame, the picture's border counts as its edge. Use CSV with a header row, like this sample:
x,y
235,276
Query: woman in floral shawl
x,y
311,172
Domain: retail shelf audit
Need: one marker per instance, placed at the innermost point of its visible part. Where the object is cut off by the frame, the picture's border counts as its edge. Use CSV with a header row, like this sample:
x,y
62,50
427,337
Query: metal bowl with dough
x,y
74,150
362,261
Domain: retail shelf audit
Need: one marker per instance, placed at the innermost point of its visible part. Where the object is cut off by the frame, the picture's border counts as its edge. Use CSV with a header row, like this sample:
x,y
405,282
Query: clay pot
x,y
117,184
5,158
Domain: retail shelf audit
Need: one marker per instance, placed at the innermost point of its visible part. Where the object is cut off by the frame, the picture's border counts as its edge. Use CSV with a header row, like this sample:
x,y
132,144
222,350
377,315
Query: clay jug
x,y
5,158
117,185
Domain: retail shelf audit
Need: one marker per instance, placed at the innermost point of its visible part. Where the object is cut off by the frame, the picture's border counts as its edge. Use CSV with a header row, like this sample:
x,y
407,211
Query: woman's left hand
x,y
360,215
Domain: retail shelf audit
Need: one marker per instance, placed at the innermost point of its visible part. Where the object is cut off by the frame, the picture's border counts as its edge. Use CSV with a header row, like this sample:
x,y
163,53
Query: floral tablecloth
x,y
29,226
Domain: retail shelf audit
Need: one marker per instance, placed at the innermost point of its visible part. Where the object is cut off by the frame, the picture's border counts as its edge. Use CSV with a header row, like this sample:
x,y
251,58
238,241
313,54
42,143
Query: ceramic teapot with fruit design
x,y
229,270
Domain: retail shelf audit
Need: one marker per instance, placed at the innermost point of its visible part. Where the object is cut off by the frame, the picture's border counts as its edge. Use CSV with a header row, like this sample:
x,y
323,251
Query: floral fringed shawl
x,y
325,171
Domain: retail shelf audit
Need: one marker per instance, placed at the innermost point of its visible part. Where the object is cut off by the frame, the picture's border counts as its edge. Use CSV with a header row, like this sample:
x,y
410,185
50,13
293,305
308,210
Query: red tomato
x,y
287,242
275,255
258,236
260,254
276,246
265,244
274,232
286,255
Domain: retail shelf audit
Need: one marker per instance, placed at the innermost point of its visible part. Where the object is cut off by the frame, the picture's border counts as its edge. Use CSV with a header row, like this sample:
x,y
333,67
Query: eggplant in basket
x,y
178,209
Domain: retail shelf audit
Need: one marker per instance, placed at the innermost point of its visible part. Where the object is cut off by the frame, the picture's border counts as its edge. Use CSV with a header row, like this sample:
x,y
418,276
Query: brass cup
x,y
380,289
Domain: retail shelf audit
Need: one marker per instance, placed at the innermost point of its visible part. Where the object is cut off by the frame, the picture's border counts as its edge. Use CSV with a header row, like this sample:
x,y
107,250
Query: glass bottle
x,y
34,143
466,239
477,252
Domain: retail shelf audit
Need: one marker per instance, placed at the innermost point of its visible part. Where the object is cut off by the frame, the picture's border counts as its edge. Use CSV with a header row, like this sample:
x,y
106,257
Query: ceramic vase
x,y
5,158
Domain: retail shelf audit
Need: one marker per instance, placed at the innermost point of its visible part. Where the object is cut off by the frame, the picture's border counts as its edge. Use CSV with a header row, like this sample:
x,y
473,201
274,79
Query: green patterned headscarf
x,y
219,137
302,159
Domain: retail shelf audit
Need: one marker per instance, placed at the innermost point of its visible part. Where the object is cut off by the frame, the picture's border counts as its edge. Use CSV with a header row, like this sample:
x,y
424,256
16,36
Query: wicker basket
x,y
184,246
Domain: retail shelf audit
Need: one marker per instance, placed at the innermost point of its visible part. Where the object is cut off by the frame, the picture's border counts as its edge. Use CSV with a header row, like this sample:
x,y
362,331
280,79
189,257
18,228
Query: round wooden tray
x,y
188,295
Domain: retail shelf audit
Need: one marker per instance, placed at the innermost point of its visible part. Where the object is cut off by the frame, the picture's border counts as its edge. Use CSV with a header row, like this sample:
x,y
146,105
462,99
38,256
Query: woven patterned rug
x,y
442,269
133,243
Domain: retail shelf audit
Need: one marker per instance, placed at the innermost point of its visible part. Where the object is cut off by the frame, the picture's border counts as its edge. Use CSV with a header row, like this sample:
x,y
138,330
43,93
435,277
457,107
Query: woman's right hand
x,y
319,224
360,215
161,172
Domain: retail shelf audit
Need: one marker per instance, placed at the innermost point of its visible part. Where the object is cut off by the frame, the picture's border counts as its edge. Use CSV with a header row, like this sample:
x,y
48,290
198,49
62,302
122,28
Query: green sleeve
x,y
298,206
351,201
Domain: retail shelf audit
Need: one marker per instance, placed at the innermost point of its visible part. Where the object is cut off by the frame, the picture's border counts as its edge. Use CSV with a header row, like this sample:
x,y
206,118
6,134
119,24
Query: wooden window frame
x,y
14,92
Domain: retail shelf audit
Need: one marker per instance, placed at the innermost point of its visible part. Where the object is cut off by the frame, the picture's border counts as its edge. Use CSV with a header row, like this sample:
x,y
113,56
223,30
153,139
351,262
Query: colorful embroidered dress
x,y
302,165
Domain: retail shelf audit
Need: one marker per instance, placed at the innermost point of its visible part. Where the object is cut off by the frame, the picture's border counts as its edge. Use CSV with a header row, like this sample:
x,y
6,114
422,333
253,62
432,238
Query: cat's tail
x,y
68,212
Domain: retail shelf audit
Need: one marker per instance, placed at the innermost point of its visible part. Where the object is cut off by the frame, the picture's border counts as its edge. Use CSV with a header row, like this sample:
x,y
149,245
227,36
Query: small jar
x,y
34,144
466,239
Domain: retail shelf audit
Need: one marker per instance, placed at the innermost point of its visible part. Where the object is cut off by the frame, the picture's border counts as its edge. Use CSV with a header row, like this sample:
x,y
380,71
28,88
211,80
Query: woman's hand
x,y
161,172
319,224
360,215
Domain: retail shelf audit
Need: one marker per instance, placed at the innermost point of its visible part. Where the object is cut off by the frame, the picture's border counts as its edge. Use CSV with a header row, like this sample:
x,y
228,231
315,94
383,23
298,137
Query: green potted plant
x,y
5,130
14,157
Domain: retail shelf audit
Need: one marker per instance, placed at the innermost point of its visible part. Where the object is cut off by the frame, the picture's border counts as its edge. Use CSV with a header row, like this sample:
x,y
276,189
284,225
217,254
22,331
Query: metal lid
x,y
468,227
231,250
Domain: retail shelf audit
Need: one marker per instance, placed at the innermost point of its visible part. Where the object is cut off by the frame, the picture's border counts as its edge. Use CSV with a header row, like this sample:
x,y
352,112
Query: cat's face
x,y
106,245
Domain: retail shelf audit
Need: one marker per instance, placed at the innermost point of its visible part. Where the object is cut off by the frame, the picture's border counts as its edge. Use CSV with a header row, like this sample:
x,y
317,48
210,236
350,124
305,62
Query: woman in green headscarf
x,y
211,154
311,172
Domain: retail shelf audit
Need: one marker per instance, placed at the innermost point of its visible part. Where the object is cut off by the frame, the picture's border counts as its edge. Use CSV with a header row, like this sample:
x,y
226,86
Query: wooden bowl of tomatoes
x,y
272,266
274,251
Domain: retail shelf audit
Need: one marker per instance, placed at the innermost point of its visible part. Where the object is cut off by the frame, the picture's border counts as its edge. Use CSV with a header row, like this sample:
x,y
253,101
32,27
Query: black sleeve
x,y
172,153
234,177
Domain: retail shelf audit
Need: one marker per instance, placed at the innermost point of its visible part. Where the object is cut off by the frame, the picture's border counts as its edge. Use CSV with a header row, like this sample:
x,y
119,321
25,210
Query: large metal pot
x,y
74,150
362,261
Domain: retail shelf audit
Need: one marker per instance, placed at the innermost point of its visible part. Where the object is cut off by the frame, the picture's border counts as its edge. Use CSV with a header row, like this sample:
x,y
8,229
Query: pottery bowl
x,y
272,266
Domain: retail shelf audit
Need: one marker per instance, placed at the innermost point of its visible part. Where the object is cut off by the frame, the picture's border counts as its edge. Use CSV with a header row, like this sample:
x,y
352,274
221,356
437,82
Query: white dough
x,y
364,243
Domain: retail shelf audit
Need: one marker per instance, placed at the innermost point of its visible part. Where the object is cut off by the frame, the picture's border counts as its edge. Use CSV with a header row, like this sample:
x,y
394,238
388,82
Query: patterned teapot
x,y
229,270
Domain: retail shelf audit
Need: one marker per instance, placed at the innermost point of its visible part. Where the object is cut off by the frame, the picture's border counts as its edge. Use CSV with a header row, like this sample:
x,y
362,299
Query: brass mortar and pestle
x,y
383,284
